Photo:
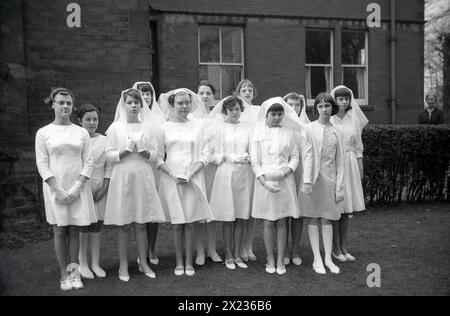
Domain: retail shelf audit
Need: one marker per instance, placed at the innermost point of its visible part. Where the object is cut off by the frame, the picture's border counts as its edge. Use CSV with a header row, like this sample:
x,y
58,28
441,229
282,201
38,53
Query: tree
x,y
437,50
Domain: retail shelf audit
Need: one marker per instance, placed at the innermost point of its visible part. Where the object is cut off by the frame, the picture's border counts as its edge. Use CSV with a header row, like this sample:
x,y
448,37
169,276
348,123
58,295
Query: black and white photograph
x,y
224,153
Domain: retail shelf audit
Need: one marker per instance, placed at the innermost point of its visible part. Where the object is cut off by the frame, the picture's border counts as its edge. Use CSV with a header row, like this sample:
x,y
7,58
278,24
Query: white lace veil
x,y
157,117
121,112
197,107
359,120
302,116
290,118
216,112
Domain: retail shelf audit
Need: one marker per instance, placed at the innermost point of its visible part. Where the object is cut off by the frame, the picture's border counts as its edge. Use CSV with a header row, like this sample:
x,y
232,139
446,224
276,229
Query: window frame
x,y
310,102
220,63
361,101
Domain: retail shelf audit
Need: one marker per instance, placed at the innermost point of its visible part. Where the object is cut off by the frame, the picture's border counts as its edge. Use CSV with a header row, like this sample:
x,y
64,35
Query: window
x,y
354,64
319,63
221,57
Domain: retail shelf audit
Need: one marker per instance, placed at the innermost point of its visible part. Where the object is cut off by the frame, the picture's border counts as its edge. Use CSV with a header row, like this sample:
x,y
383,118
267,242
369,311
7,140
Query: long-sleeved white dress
x,y
132,195
278,149
326,174
64,152
354,195
101,171
232,190
184,145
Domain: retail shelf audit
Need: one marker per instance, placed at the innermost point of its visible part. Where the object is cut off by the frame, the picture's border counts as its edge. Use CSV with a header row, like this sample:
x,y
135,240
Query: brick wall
x,y
110,51
275,56
97,61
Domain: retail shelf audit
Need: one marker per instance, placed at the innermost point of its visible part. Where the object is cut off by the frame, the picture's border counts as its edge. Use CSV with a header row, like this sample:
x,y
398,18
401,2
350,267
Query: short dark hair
x,y
327,98
246,82
343,92
145,87
171,98
207,84
231,101
133,93
54,92
85,108
276,107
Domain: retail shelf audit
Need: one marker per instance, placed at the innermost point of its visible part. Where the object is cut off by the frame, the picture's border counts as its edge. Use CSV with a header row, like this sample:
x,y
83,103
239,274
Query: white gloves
x,y
61,195
130,145
339,197
140,143
272,186
74,191
234,158
306,188
275,175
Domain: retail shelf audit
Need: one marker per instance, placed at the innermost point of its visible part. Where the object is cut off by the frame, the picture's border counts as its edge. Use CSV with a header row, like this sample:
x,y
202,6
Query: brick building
x,y
281,45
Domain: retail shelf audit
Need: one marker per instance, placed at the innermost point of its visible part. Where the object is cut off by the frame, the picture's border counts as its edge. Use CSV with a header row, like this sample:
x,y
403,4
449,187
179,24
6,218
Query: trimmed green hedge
x,y
406,163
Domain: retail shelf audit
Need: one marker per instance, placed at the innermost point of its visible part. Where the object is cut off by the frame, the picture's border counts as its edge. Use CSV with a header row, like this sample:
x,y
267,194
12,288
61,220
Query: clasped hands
x,y
137,144
66,197
182,179
235,158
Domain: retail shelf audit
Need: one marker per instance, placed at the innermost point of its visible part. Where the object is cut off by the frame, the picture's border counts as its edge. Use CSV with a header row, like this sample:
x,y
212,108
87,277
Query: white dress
x,y
184,146
327,173
64,152
132,195
354,195
278,149
232,190
101,170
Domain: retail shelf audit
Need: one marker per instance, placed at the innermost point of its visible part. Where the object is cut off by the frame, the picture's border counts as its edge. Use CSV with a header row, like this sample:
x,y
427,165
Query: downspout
x,y
393,42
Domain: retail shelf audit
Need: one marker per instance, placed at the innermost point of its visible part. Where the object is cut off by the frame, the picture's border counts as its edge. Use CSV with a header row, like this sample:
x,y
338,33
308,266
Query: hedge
x,y
406,163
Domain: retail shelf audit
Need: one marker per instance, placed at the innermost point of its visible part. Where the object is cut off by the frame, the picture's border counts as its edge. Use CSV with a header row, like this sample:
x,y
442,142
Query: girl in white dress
x,y
63,159
295,225
87,116
182,185
206,92
156,119
322,189
274,157
232,191
247,91
351,120
132,195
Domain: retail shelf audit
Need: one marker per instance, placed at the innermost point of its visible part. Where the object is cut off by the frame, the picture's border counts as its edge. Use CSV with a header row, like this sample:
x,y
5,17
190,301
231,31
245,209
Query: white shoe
x,y
200,260
149,274
86,272
75,278
124,278
66,285
240,263
229,264
215,257
333,268
286,261
189,271
349,257
339,257
99,272
320,269
154,261
179,270
270,270
297,261
281,270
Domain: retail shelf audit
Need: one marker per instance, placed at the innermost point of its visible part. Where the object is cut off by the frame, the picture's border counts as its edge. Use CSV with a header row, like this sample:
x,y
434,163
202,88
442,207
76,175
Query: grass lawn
x,y
410,242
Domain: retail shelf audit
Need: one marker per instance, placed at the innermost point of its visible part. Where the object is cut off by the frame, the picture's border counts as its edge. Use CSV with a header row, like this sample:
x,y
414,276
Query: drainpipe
x,y
393,42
